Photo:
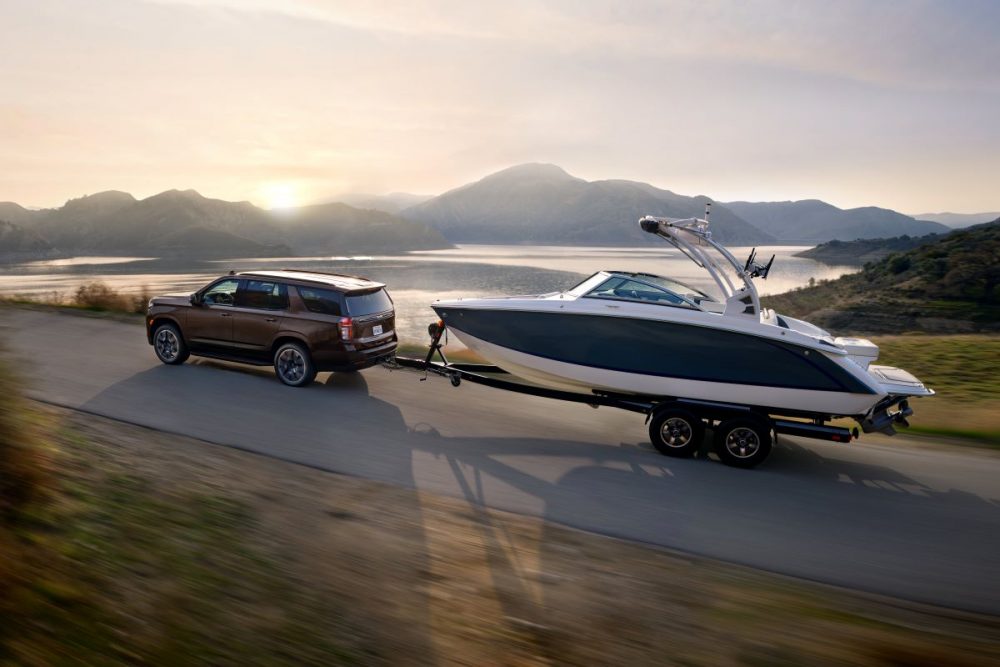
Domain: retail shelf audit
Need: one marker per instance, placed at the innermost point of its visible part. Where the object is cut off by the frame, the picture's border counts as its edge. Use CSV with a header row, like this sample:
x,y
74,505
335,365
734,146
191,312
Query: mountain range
x,y
813,221
959,219
394,202
184,223
539,204
542,204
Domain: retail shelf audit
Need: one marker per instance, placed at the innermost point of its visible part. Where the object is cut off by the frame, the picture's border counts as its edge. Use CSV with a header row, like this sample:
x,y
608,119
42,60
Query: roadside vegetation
x,y
965,373
951,285
95,296
156,549
23,458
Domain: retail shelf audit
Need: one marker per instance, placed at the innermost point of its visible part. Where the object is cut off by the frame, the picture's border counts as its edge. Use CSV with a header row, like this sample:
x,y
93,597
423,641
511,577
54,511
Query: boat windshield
x,y
678,287
593,283
634,289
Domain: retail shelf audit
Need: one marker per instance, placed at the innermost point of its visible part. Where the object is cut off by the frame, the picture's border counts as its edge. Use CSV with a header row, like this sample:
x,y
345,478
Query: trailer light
x,y
346,326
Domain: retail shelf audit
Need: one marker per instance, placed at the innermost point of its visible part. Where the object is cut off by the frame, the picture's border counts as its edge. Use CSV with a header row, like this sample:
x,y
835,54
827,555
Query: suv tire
x,y
169,345
293,365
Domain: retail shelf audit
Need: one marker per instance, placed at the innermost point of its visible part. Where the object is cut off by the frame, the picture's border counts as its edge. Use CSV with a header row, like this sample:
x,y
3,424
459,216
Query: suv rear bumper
x,y
354,360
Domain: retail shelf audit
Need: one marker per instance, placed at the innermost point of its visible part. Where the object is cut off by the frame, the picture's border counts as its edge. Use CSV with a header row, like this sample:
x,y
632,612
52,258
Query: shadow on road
x,y
804,512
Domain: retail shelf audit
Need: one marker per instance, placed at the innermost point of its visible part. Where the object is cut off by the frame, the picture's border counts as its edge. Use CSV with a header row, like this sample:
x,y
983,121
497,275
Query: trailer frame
x,y
755,422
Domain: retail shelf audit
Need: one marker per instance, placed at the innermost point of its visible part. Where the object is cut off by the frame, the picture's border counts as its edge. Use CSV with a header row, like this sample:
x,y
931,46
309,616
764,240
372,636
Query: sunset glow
x,y
279,196
854,103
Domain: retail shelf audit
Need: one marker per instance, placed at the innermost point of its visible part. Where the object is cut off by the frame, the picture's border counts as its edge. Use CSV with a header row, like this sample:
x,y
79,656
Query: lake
x,y
414,279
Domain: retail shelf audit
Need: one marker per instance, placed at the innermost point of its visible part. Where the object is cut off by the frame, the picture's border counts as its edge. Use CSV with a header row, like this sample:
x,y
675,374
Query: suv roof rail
x,y
327,273
317,277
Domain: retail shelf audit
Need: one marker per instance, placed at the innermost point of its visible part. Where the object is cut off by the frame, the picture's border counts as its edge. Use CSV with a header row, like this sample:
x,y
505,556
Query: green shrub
x,y
899,263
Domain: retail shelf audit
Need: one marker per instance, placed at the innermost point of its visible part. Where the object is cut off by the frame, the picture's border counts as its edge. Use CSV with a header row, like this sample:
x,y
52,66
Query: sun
x,y
280,196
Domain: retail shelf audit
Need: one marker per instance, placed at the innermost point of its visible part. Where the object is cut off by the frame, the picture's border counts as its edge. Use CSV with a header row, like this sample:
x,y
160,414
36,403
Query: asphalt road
x,y
917,522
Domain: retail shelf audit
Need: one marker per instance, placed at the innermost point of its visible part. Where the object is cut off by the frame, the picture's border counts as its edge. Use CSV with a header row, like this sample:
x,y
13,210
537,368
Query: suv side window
x,y
324,301
263,295
222,293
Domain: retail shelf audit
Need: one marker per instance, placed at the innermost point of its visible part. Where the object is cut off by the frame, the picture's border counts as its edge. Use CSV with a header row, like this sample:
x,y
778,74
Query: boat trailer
x,y
676,424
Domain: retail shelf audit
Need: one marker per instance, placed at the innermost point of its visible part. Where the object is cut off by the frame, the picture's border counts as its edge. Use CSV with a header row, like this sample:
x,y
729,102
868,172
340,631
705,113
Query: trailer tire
x,y
743,442
676,432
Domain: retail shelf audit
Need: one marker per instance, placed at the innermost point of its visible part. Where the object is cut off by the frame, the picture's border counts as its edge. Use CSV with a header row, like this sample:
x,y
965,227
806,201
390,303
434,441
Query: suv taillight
x,y
346,328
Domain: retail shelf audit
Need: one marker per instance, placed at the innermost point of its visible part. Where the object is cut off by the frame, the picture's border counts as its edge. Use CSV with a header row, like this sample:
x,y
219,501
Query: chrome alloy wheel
x,y
291,365
742,442
675,432
167,346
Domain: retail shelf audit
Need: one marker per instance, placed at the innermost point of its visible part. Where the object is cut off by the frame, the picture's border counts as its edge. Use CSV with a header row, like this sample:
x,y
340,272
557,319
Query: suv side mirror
x,y
195,299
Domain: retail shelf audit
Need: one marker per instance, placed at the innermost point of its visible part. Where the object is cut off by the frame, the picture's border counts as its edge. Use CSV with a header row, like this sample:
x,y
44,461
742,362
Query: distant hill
x,y
862,251
959,219
542,204
394,202
184,223
337,229
949,285
20,244
16,213
814,221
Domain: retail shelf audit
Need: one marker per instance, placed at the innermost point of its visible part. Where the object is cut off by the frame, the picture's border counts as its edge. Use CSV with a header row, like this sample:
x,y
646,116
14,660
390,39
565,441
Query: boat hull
x,y
587,352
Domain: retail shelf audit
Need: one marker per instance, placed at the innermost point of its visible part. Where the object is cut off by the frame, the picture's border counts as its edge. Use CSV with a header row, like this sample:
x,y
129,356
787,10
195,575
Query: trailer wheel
x,y
743,442
455,379
676,432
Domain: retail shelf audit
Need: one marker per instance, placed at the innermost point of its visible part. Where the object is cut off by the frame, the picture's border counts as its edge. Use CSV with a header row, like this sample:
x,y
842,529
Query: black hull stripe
x,y
656,348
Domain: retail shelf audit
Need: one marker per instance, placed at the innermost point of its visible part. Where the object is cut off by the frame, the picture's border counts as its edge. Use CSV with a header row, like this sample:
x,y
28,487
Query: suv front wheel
x,y
293,365
169,345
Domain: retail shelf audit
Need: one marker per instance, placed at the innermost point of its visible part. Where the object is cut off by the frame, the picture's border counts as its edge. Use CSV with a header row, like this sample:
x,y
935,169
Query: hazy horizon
x,y
296,102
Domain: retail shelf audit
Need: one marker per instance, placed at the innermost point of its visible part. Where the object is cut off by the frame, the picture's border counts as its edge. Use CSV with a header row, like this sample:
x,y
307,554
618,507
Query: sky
x,y
283,102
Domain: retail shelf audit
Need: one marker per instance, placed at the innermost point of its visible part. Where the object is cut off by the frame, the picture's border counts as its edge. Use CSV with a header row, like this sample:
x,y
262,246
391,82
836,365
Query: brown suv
x,y
303,322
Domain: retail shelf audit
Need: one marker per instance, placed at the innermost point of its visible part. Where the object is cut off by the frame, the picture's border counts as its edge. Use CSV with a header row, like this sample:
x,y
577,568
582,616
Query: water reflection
x,y
415,279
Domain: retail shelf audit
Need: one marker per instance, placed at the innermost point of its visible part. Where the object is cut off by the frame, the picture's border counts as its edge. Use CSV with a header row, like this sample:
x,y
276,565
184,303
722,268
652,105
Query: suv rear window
x,y
324,301
366,304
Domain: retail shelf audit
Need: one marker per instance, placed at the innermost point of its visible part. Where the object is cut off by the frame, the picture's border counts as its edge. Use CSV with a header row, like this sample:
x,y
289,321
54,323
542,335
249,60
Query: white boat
x,y
628,333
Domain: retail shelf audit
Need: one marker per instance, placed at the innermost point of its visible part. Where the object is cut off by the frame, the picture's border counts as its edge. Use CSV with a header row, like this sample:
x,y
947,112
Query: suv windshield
x,y
369,303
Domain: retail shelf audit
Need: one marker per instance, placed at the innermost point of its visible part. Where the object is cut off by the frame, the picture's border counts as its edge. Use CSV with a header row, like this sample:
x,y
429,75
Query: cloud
x,y
920,44
794,99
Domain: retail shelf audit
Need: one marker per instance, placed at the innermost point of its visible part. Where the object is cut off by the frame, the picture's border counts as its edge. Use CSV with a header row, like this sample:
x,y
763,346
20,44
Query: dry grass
x,y
24,473
964,370
98,296
22,450
95,296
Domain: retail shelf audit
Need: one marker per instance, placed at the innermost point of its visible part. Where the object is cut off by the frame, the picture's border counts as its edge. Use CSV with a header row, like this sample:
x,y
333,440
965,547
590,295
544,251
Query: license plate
x,y
377,330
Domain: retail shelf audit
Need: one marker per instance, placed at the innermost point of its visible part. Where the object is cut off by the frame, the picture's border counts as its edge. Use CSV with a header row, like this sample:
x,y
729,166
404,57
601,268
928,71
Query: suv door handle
x,y
270,319
226,314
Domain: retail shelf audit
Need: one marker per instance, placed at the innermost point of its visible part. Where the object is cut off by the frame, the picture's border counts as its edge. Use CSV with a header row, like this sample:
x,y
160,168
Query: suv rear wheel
x,y
169,345
293,365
